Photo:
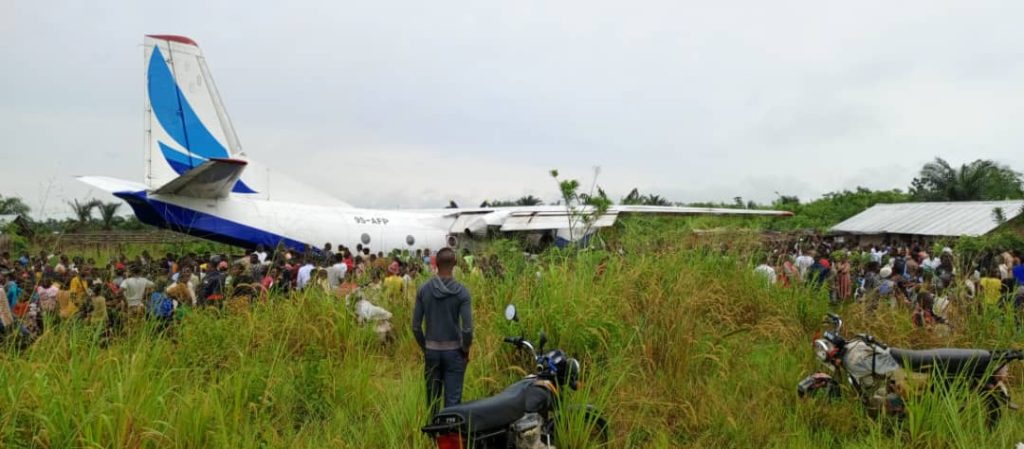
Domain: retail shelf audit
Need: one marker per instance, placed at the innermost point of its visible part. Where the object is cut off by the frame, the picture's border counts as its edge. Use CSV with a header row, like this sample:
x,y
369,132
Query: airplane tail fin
x,y
186,123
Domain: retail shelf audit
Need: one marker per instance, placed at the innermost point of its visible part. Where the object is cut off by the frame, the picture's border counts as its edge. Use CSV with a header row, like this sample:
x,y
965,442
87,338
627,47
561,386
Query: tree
x,y
655,200
635,198
581,213
977,181
595,200
529,200
108,211
83,211
632,198
13,205
786,202
832,207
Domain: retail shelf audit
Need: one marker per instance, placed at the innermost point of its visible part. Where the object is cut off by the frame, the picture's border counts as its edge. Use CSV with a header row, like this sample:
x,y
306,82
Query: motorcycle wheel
x,y
993,410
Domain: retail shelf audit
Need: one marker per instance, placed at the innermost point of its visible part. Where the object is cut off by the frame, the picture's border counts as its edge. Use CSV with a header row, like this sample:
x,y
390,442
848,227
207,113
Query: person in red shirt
x,y
349,261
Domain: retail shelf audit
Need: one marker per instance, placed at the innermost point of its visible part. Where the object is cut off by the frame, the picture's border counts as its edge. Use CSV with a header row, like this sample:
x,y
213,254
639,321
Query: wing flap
x,y
540,221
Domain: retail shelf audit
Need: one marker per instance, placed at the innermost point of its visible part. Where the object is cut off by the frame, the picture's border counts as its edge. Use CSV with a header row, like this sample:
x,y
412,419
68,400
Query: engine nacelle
x,y
476,227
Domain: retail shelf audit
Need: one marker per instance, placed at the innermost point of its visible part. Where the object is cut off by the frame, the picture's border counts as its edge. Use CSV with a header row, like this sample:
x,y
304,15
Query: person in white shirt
x,y
877,255
261,253
135,288
803,263
1006,268
305,272
336,272
767,272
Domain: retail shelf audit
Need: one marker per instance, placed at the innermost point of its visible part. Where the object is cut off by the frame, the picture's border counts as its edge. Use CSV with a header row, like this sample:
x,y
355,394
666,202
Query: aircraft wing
x,y
685,210
539,218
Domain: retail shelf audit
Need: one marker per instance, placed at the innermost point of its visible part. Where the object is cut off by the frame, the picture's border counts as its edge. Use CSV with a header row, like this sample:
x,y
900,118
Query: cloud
x,y
401,103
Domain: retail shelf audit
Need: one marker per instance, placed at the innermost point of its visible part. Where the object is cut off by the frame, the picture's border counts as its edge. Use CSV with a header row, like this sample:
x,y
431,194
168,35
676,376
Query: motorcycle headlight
x,y
822,349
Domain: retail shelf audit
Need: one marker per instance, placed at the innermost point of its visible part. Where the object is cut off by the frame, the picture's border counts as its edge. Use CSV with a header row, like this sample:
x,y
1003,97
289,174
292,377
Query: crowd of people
x,y
899,275
51,288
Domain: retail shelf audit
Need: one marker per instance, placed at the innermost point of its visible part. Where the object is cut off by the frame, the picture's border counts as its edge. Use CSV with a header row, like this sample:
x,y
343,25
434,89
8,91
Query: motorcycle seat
x,y
950,360
502,409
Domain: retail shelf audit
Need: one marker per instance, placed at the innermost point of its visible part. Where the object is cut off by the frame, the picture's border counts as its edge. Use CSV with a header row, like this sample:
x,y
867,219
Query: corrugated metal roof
x,y
965,218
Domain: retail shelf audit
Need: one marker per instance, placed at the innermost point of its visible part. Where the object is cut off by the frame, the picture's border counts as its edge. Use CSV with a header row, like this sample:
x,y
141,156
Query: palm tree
x,y
978,180
655,200
108,211
599,199
13,205
529,200
633,197
83,211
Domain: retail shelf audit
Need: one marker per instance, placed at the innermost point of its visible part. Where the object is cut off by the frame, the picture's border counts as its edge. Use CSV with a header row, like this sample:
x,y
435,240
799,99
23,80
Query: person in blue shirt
x,y
1018,273
13,291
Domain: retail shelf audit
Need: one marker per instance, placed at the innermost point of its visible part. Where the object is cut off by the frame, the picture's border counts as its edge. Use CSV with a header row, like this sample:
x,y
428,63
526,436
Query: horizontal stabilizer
x,y
213,179
112,185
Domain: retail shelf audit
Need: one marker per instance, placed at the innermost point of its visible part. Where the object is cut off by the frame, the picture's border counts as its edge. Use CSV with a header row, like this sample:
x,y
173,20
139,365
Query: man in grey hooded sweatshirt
x,y
446,307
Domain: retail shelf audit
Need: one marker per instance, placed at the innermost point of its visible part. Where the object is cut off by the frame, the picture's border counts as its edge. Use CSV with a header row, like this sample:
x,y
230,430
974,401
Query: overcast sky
x,y
409,103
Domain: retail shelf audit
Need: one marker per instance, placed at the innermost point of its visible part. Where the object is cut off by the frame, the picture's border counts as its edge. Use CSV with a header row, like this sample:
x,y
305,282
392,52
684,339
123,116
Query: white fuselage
x,y
379,230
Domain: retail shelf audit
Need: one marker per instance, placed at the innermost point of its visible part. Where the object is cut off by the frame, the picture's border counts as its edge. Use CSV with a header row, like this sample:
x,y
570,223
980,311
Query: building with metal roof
x,y
952,219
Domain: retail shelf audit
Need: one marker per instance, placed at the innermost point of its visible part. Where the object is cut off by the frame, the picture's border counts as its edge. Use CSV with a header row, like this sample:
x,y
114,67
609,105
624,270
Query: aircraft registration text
x,y
371,220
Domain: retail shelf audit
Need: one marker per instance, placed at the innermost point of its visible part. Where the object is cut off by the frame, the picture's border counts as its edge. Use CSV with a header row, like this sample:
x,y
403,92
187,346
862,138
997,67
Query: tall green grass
x,y
681,345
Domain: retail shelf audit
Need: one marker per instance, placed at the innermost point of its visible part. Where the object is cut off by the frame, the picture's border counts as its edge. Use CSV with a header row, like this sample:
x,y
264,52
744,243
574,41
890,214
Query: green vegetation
x,y
681,346
978,180
84,217
832,208
13,205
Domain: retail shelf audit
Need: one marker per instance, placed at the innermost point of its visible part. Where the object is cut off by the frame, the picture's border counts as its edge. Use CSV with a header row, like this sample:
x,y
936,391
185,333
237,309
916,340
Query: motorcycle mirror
x,y
543,339
510,313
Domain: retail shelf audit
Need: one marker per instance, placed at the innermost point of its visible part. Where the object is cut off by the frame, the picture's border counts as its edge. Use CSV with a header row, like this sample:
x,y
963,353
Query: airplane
x,y
199,181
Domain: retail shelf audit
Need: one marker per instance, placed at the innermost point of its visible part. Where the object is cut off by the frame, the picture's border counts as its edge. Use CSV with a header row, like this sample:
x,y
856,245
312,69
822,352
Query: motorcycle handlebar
x,y
513,340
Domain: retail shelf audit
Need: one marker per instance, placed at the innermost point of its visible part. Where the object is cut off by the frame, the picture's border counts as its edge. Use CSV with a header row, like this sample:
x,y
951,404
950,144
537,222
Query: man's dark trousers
x,y
444,370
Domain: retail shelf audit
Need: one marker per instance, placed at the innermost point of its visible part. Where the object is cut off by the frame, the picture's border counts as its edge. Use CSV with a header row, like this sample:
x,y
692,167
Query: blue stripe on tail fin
x,y
179,120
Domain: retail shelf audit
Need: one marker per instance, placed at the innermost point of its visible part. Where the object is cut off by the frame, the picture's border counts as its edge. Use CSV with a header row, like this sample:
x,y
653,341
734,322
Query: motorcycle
x,y
874,371
526,413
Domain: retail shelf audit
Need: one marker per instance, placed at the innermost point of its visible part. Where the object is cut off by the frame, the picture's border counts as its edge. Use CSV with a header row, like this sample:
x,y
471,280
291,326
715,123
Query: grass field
x,y
681,347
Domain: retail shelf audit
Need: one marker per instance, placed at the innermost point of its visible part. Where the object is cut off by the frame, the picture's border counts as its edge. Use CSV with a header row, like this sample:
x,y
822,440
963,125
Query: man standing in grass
x,y
305,271
336,272
446,307
135,288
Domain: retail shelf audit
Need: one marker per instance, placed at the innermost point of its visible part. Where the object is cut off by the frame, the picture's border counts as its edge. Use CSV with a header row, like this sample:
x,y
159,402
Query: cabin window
x,y
365,239
410,240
